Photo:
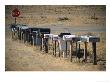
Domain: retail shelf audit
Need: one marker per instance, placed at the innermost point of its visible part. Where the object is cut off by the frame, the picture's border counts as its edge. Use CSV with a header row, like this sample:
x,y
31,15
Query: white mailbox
x,y
68,37
48,36
55,37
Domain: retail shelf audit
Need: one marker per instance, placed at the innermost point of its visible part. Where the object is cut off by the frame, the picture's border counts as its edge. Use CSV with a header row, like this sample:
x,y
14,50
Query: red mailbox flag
x,y
15,12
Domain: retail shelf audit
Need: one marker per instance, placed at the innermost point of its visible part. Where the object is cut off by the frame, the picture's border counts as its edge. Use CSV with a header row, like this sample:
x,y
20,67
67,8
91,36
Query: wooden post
x,y
79,47
15,20
76,50
46,45
85,52
66,48
55,48
59,49
71,51
94,53
33,40
42,44
21,36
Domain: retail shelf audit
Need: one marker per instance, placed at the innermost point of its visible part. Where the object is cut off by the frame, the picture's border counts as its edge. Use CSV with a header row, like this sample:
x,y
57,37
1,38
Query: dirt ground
x,y
22,57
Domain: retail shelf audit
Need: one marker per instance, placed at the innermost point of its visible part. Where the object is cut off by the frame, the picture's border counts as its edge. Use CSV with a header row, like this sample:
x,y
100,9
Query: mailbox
x,y
76,39
37,39
48,36
94,39
90,39
68,37
62,34
55,37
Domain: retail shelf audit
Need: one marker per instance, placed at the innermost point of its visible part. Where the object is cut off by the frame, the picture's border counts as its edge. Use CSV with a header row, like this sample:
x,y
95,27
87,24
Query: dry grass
x,y
59,19
77,15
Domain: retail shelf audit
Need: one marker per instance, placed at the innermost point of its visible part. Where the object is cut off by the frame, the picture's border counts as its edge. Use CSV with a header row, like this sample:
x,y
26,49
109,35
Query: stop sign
x,y
15,12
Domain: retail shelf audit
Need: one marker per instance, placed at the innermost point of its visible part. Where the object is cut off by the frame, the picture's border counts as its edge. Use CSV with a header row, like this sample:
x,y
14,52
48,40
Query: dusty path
x,y
19,57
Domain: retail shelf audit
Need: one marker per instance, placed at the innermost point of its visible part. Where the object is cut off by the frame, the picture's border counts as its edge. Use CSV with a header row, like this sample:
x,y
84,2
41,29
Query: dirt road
x,y
20,57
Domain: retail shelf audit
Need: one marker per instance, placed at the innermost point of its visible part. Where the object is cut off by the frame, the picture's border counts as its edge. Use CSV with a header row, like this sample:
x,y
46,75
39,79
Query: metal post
x,y
94,53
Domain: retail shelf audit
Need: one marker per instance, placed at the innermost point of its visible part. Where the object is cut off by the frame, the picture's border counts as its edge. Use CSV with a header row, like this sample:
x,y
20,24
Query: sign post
x,y
15,13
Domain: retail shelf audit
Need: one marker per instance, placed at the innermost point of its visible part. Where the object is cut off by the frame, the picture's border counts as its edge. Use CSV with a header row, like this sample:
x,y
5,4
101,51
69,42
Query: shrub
x,y
63,18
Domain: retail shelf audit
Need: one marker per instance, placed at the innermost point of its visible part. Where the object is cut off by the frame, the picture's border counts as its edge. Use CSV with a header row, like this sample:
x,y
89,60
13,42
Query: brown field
x,y
79,20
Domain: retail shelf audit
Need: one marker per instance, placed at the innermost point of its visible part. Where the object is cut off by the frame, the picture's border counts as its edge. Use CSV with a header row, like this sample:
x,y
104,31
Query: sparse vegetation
x,y
63,18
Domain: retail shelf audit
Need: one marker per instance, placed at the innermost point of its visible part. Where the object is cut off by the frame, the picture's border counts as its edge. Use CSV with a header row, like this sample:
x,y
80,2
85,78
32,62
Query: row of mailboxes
x,y
41,36
85,39
64,43
29,34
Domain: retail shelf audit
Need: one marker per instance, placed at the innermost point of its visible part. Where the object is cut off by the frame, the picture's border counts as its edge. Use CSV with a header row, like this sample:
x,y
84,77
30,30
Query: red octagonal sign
x,y
15,12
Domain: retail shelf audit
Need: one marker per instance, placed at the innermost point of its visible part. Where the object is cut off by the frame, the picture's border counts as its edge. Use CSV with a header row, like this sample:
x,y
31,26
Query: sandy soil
x,y
21,57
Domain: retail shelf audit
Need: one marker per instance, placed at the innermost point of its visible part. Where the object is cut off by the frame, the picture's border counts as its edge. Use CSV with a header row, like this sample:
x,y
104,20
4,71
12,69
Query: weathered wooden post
x,y
55,48
33,40
46,45
15,20
94,53
59,49
66,48
85,52
76,49
71,50
42,44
